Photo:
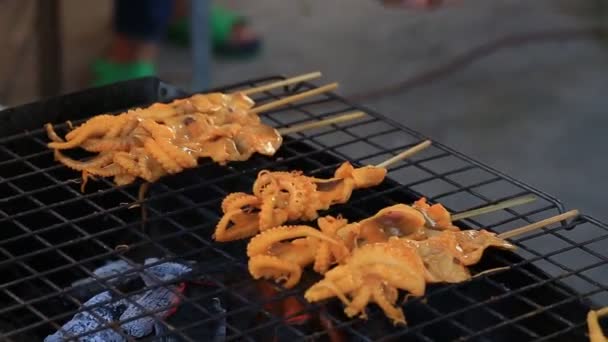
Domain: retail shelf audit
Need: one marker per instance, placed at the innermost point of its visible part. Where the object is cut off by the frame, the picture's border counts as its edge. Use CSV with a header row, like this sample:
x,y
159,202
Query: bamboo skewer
x,y
316,124
535,226
294,98
494,207
539,224
602,312
405,154
593,325
492,270
289,81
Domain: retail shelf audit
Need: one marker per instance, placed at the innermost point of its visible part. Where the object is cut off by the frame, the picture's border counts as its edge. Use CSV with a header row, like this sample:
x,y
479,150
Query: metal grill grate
x,y
53,235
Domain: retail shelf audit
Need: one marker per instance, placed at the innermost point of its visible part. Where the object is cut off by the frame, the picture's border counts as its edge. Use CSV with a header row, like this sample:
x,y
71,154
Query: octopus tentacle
x,y
297,197
238,200
392,294
270,217
95,121
322,259
374,273
157,131
292,185
181,157
85,179
129,126
389,309
330,287
163,159
116,127
144,169
98,161
127,162
267,266
263,181
261,243
96,126
290,196
50,132
360,300
162,135
103,145
339,252
157,111
124,179
240,230
107,171
299,251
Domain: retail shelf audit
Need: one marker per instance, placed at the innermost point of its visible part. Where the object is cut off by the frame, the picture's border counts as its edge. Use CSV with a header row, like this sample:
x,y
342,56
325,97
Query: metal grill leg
x,y
201,44
49,48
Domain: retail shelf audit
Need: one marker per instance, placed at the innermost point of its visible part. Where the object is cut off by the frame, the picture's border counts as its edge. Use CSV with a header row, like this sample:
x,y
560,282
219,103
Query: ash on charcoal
x,y
112,268
118,269
151,301
163,272
85,321
157,299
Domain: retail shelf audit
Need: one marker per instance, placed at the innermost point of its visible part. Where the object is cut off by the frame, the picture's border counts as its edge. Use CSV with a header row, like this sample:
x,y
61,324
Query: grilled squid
x,y
163,139
279,197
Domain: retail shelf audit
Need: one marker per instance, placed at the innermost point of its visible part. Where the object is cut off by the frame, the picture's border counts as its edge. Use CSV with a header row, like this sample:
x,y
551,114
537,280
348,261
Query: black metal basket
x,y
52,234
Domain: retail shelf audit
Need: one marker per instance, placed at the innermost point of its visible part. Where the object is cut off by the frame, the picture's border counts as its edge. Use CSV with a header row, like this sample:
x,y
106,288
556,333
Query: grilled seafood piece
x,y
373,274
375,271
445,249
273,256
288,196
163,139
447,255
416,222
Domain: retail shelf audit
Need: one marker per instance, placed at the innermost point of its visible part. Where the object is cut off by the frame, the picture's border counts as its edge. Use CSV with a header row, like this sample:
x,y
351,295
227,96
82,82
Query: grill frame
x,y
320,157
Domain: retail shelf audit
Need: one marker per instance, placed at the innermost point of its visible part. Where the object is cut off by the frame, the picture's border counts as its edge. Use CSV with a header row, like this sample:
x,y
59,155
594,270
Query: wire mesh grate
x,y
53,235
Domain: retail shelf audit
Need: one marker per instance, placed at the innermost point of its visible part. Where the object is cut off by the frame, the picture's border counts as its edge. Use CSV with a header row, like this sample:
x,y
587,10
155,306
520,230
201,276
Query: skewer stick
x,y
289,81
593,325
494,207
294,98
492,270
539,224
405,154
316,124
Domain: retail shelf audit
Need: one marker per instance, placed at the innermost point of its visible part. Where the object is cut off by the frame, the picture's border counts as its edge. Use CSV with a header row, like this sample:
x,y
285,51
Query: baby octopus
x,y
273,256
279,197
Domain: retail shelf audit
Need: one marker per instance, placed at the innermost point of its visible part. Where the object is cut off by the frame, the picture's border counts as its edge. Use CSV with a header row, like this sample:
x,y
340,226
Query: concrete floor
x,y
535,112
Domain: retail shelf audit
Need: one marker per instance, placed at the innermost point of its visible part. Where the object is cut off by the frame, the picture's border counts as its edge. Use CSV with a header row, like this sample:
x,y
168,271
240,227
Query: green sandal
x,y
222,22
107,72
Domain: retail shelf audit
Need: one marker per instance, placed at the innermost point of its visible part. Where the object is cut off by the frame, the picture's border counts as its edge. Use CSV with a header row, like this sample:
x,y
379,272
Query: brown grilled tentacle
x,y
99,161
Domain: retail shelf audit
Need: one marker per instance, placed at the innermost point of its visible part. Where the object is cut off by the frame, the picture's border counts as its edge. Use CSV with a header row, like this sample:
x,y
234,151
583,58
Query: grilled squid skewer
x,y
164,139
375,271
279,197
